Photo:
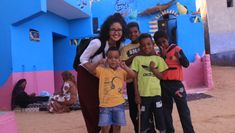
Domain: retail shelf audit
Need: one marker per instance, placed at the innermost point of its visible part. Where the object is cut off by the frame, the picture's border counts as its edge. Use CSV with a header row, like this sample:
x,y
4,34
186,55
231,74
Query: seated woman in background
x,y
21,98
61,102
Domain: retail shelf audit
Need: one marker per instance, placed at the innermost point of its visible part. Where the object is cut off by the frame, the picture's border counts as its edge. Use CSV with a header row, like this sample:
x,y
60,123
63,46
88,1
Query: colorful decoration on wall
x,y
74,41
82,4
133,14
181,8
34,35
122,7
166,12
195,19
153,24
157,8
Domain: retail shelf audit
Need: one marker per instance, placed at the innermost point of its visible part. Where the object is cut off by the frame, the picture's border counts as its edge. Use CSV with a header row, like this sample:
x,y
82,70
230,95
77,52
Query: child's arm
x,y
130,72
155,71
182,58
129,61
137,95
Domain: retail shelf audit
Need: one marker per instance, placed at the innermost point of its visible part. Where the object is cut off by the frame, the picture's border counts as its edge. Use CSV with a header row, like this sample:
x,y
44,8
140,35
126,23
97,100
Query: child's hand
x,y
152,65
123,65
162,51
176,56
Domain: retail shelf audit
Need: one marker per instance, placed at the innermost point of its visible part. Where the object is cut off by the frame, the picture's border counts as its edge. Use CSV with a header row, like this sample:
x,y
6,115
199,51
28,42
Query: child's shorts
x,y
112,116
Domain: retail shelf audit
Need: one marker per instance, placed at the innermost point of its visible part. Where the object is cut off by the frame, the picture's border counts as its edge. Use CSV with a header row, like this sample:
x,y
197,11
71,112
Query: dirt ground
x,y
209,115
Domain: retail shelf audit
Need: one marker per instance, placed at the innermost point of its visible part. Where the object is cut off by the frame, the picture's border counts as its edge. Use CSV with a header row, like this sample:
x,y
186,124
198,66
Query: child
x,y
172,87
149,69
111,82
129,51
61,102
127,54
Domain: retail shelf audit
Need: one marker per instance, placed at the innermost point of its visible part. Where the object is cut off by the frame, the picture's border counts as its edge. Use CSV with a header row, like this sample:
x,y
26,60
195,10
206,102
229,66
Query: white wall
x,y
221,22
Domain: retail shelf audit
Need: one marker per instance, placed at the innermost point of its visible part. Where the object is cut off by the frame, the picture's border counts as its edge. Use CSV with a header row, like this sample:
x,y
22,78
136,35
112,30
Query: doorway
x,y
59,41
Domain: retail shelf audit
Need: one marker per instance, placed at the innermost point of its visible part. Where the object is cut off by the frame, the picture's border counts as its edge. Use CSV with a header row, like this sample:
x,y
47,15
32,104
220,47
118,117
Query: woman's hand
x,y
32,94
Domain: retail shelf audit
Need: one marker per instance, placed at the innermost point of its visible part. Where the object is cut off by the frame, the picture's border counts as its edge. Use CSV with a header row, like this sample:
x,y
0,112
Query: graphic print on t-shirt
x,y
133,51
111,87
147,68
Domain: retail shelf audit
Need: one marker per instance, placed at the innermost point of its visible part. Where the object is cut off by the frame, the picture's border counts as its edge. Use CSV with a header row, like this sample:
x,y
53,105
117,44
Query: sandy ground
x,y
211,115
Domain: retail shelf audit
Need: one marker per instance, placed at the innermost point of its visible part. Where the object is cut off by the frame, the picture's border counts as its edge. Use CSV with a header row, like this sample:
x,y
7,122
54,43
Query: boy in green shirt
x,y
149,69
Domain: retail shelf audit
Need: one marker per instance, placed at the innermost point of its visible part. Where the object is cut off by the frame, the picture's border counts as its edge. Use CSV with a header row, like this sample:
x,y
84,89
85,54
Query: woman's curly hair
x,y
105,28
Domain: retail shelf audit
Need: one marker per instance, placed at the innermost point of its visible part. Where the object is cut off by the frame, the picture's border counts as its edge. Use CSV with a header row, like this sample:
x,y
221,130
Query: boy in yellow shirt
x,y
149,69
112,76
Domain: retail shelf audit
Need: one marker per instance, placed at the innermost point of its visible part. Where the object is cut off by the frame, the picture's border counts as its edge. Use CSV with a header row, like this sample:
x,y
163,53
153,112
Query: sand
x,y
209,115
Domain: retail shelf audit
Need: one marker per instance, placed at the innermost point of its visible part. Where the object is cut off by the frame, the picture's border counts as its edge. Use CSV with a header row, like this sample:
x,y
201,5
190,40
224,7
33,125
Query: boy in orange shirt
x,y
171,83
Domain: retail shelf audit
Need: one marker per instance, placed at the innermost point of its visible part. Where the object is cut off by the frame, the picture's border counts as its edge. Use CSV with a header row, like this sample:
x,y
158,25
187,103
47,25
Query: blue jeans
x,y
112,116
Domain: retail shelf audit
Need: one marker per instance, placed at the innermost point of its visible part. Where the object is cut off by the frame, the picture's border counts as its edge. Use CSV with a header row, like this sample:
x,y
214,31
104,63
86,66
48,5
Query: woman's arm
x,y
91,68
89,52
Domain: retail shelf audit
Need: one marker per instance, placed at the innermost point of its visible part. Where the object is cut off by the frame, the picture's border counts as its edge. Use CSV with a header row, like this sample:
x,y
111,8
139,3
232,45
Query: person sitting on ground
x,y
61,102
21,98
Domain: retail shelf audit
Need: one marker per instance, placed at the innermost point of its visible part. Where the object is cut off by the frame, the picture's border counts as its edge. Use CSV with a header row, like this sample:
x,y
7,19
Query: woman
x,y
112,33
21,98
68,96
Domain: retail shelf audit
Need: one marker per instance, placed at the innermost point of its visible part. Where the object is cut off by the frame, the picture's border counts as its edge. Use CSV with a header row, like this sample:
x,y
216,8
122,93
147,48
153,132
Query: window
x,y
229,3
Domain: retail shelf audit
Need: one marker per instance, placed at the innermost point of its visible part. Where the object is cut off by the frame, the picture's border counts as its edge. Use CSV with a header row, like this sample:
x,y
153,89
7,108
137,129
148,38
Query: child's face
x,y
146,45
113,59
134,33
163,42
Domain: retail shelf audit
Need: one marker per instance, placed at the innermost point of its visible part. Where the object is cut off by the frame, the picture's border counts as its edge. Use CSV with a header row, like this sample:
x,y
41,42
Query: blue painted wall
x,y
64,54
83,5
29,54
19,11
190,36
5,53
12,12
80,28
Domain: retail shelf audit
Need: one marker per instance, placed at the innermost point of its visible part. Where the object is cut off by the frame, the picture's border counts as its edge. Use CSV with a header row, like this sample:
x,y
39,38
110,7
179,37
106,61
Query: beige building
x,y
221,28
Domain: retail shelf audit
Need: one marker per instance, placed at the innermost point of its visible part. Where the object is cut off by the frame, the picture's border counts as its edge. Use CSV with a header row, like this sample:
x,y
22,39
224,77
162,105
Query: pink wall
x,y
198,76
5,94
8,122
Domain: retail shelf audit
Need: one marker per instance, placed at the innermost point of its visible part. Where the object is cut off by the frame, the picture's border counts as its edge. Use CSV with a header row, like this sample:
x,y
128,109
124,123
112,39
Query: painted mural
x,y
42,57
